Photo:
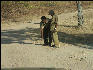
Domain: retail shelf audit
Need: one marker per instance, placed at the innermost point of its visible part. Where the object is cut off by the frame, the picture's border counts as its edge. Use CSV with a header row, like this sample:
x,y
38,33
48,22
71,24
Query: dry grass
x,y
15,9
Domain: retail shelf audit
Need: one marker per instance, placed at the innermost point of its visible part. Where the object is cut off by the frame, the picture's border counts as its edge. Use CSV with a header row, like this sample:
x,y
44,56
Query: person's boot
x,y
50,45
53,46
56,46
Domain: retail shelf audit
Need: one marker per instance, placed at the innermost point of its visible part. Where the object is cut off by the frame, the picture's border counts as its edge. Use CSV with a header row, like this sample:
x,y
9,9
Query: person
x,y
42,25
53,29
45,30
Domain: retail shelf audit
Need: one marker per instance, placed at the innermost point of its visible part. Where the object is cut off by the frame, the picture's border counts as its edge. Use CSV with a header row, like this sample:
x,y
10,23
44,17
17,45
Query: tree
x,y
80,14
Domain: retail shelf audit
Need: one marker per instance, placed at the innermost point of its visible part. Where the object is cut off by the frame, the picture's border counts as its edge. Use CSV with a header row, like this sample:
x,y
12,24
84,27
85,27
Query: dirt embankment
x,y
18,9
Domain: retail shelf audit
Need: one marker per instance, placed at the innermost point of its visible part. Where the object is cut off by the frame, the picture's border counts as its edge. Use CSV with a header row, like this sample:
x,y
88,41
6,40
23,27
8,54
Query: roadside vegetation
x,y
16,9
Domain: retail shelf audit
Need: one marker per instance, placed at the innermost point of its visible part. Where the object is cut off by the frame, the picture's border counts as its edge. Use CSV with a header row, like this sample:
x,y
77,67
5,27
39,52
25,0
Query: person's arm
x,y
53,20
41,30
56,25
56,21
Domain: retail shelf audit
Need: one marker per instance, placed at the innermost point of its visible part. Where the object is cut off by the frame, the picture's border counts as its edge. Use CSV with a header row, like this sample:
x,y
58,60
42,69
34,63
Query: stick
x,y
42,34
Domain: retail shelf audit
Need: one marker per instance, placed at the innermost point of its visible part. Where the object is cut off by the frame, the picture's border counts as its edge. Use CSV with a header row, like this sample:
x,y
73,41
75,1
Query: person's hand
x,y
42,27
55,29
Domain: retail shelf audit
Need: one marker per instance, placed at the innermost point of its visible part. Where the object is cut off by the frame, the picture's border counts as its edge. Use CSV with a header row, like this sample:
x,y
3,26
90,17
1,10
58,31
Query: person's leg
x,y
55,38
50,38
45,38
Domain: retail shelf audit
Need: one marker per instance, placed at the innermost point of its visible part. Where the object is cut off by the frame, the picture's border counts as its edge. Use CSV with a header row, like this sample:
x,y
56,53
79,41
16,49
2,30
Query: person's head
x,y
43,18
51,12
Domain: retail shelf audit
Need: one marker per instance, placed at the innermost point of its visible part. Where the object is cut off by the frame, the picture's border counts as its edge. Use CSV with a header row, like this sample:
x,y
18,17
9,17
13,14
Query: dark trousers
x,y
45,36
50,37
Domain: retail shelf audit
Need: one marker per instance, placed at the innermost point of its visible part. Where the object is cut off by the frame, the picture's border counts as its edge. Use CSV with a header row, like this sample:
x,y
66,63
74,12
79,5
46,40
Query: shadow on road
x,y
37,23
18,36
85,40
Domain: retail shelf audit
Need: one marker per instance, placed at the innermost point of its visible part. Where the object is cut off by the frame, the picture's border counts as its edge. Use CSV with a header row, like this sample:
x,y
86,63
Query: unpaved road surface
x,y
21,45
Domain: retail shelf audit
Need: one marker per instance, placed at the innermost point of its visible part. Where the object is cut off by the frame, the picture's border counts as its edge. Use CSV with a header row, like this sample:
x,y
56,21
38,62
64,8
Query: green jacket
x,y
54,21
